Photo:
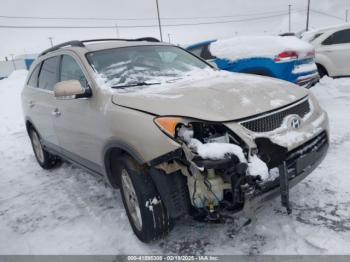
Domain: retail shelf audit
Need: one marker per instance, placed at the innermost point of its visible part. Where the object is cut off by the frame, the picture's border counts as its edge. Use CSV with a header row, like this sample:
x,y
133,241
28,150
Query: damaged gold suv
x,y
176,135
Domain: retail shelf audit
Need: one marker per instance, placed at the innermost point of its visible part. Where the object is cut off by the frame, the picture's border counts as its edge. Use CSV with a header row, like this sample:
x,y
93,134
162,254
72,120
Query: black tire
x,y
44,158
321,71
155,222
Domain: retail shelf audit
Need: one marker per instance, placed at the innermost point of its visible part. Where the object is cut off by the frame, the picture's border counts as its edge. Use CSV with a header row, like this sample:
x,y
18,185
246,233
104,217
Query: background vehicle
x,y
286,58
332,46
177,136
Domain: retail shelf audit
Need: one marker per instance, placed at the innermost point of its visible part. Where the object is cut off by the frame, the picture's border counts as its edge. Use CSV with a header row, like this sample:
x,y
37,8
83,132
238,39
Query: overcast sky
x,y
272,15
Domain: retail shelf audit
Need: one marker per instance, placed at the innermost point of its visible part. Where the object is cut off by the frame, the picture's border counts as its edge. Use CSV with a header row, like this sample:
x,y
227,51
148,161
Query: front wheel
x,y
146,212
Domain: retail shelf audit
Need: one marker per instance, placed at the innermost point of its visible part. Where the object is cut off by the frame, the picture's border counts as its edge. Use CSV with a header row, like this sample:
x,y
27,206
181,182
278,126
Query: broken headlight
x,y
209,140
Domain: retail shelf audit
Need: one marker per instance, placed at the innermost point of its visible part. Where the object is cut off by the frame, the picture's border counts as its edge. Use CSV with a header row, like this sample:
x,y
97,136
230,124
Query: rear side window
x,y
33,79
197,51
206,54
203,52
315,37
70,70
48,76
340,37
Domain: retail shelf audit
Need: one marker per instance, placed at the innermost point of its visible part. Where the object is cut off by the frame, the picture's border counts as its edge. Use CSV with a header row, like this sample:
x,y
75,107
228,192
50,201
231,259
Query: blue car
x,y
286,58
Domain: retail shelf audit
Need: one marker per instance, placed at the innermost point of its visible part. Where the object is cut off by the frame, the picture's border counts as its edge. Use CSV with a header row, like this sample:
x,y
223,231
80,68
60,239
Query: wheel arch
x,y
326,63
29,125
114,150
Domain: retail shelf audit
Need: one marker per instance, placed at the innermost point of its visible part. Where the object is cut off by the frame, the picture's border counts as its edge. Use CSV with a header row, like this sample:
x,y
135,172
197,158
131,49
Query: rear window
x,y
197,51
48,74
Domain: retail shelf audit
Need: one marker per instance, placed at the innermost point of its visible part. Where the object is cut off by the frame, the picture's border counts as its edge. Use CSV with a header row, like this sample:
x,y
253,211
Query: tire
x,y
44,158
321,71
146,212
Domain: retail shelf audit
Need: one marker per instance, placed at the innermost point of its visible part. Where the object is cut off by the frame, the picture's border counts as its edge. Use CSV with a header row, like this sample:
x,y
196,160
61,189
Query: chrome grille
x,y
269,122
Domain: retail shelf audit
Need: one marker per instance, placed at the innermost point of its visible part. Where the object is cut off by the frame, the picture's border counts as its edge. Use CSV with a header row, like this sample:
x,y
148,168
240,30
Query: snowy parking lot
x,y
69,211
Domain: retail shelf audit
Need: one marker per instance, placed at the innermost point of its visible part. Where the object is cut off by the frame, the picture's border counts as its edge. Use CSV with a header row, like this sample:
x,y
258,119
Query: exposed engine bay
x,y
219,167
222,175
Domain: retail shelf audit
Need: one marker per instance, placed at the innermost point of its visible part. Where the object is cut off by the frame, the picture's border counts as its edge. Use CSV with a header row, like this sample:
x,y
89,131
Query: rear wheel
x,y
44,158
146,212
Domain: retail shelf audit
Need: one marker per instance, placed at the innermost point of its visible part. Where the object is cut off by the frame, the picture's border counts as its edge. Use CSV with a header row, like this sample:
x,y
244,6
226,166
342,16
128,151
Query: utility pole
x,y
346,15
290,18
308,15
116,30
160,26
50,38
13,62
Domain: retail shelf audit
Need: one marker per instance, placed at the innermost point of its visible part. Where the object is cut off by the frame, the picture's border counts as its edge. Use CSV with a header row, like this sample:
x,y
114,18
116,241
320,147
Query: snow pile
x,y
242,47
216,151
257,167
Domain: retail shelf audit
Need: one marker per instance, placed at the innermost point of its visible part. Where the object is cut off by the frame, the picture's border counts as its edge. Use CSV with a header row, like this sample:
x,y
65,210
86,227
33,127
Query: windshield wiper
x,y
136,84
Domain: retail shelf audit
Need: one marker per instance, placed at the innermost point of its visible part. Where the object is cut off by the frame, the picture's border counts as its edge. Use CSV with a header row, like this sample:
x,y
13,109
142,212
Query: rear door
x,y
39,100
337,48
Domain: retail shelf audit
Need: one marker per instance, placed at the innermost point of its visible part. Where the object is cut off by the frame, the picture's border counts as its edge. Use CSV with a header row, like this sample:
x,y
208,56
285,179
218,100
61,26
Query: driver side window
x,y
70,70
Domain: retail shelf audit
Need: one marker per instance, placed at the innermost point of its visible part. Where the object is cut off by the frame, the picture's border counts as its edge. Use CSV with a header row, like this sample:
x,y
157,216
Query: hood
x,y
223,96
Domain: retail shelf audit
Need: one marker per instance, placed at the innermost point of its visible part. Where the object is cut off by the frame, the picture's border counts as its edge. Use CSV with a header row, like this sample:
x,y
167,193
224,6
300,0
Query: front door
x,y
77,122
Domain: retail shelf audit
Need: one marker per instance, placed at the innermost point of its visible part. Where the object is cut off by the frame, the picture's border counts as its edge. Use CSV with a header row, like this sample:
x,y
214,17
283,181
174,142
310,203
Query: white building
x,y
19,62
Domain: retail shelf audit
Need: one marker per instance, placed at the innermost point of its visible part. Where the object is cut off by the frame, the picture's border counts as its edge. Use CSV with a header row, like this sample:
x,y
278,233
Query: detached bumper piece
x,y
284,187
309,80
298,165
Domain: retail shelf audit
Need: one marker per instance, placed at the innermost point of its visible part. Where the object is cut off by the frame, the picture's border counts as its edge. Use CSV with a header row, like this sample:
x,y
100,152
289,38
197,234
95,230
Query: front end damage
x,y
217,172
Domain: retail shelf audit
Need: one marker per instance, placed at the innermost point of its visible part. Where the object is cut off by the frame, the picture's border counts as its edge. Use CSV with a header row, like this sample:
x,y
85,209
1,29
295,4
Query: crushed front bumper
x,y
299,164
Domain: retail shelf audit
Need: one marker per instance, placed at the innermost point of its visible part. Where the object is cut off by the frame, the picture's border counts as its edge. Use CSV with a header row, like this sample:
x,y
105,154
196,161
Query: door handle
x,y
56,112
31,104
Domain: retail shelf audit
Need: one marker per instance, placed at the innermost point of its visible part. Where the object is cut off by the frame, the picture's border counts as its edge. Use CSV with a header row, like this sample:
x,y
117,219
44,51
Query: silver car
x,y
176,135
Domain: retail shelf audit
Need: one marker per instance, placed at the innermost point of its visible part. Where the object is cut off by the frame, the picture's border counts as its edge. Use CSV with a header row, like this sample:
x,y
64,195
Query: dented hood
x,y
213,98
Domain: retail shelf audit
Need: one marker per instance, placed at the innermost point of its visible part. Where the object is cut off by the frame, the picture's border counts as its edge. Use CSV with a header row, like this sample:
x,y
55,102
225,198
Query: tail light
x,y
286,56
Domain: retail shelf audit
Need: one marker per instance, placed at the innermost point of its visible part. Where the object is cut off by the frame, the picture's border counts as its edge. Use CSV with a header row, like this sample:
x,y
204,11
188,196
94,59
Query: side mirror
x,y
69,89
213,64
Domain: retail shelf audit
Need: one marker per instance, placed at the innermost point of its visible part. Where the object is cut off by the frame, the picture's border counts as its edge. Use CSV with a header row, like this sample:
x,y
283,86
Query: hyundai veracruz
x,y
177,136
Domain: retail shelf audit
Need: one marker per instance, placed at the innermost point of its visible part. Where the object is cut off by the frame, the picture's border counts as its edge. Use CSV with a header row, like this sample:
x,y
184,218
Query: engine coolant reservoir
x,y
217,184
204,195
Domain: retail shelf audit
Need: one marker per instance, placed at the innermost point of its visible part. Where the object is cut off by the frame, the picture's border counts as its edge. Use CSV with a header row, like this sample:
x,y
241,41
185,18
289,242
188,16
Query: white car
x,y
332,46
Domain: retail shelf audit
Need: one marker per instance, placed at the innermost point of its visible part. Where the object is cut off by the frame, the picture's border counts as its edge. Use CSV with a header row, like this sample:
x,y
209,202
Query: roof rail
x,y
81,43
56,47
148,39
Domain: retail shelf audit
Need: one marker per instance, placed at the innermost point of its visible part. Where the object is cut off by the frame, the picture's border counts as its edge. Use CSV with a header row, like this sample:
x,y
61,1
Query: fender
x,y
326,63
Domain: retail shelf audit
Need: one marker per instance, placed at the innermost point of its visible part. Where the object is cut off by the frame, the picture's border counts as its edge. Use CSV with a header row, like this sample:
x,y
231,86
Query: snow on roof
x,y
258,46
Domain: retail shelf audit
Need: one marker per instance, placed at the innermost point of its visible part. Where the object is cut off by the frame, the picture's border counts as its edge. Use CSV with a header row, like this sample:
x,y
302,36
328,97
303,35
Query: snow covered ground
x,y
69,211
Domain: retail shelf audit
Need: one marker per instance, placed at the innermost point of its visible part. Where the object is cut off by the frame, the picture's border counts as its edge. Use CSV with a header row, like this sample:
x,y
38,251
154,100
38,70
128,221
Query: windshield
x,y
143,65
